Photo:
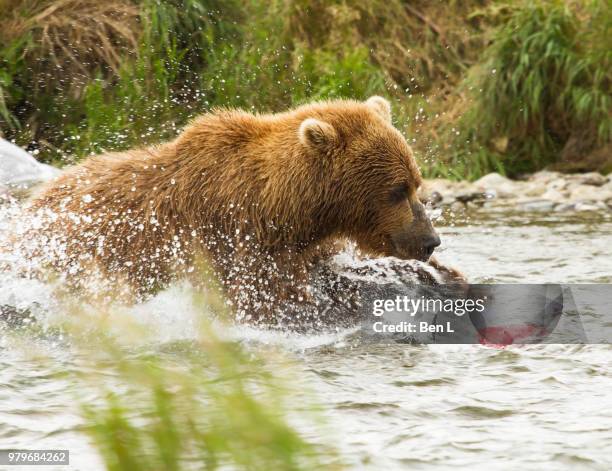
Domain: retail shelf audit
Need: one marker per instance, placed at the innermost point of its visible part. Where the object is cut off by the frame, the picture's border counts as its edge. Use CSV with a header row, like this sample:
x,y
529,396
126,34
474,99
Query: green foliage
x,y
538,94
11,65
154,92
271,68
545,79
325,75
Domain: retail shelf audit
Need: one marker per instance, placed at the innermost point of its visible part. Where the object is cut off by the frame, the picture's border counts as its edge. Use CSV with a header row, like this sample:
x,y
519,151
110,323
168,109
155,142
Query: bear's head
x,y
369,178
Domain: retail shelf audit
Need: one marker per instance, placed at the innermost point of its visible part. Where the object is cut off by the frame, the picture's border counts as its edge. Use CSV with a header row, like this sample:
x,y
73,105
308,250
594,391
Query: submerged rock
x,y
14,317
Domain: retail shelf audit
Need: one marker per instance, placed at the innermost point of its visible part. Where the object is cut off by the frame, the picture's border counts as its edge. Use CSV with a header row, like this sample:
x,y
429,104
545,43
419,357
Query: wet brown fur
x,y
261,195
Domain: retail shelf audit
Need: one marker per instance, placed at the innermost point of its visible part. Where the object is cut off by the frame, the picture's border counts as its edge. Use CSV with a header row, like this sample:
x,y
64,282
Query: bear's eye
x,y
398,193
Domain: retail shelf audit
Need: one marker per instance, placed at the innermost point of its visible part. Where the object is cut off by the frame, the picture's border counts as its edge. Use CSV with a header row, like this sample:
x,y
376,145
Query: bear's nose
x,y
430,243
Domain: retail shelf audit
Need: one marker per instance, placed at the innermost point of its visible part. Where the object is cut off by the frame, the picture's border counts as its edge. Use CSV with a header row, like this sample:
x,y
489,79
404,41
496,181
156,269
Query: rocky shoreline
x,y
543,191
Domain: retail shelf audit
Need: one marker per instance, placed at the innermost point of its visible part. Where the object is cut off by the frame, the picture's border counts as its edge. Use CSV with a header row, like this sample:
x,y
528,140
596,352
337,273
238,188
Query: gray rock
x,y
534,188
434,198
447,201
4,194
457,206
558,184
591,178
19,170
562,207
542,191
471,196
445,188
476,204
538,205
587,207
590,193
500,186
491,194
492,180
545,176
553,195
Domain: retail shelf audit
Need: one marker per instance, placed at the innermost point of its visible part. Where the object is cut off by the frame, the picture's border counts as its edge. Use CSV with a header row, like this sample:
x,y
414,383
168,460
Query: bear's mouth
x,y
419,255
390,246
407,251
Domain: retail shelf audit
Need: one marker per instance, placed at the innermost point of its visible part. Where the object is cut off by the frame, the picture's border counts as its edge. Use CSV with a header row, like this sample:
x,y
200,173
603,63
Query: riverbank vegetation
x,y
477,86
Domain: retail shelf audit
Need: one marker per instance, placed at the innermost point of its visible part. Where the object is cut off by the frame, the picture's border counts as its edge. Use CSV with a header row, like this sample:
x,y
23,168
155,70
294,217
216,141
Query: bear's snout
x,y
407,246
417,239
430,243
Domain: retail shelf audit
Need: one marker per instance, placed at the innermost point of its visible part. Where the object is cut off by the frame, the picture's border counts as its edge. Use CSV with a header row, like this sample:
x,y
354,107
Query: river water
x,y
388,406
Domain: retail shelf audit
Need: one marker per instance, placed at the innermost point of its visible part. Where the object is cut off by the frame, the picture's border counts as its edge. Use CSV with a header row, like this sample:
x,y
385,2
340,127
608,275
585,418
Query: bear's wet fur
x,y
261,197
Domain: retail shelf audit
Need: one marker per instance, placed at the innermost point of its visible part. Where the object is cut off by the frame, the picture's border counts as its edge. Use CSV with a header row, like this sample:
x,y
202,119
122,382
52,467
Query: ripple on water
x,y
481,412
424,383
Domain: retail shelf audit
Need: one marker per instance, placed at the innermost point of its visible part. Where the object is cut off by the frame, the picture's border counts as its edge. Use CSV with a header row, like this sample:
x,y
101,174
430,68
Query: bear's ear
x,y
381,106
317,134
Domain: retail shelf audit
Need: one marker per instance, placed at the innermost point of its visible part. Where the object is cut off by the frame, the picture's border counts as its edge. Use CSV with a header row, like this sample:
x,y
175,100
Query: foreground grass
x,y
197,403
477,85
220,410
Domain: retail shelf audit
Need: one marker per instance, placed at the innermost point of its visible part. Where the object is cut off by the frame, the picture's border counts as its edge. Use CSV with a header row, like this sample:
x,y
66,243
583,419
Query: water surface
x,y
385,406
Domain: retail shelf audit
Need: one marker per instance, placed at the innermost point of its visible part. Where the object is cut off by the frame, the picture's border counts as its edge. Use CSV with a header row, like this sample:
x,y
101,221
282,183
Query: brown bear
x,y
261,196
